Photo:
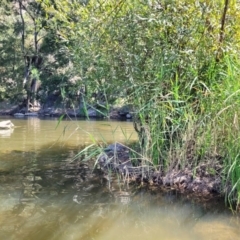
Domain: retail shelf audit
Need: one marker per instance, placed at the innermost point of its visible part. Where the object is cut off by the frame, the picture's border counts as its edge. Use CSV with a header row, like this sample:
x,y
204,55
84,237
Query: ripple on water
x,y
44,196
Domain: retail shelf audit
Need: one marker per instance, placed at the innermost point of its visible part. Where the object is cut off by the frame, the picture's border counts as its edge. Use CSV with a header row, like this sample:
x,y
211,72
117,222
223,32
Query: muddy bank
x,y
201,182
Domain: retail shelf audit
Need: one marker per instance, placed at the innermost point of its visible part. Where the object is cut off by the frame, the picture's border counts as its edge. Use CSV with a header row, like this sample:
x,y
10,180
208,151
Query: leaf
x,y
59,120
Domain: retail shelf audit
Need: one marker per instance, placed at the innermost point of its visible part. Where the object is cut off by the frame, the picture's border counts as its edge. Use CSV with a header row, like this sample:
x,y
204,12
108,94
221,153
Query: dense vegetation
x,y
176,62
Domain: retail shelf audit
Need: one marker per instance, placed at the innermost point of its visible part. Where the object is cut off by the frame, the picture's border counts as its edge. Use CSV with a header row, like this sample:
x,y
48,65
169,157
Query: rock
x,y
115,147
7,108
6,124
115,156
125,110
19,115
73,113
128,116
113,114
33,114
92,112
122,197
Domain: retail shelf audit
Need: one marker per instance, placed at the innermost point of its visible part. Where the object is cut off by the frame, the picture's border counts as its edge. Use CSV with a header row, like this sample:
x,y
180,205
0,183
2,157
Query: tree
x,y
11,63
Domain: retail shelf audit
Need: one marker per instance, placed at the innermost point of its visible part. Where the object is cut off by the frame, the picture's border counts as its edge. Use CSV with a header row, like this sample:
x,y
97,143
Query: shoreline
x,y
114,114
202,182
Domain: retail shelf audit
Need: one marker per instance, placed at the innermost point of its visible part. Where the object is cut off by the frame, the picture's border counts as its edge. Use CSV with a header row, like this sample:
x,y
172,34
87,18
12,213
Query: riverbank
x,y
202,182
114,112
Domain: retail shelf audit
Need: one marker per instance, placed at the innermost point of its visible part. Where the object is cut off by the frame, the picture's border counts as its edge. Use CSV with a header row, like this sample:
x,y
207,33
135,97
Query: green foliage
x,y
28,35
10,54
176,62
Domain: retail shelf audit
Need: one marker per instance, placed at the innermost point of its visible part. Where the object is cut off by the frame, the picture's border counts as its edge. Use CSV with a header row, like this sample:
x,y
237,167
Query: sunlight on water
x,y
32,133
44,195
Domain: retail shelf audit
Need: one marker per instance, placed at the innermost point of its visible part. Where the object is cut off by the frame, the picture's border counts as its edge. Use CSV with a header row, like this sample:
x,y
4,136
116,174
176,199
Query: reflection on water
x,y
44,195
30,134
6,132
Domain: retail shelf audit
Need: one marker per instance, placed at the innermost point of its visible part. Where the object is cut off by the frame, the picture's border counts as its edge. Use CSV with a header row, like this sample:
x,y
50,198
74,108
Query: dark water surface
x,y
44,195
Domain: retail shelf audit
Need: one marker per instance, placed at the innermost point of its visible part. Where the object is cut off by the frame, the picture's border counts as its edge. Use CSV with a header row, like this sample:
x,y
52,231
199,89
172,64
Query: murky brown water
x,y
44,195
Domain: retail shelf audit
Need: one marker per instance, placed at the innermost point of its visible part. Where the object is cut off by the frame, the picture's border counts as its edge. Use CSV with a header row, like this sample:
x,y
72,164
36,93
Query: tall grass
x,y
180,129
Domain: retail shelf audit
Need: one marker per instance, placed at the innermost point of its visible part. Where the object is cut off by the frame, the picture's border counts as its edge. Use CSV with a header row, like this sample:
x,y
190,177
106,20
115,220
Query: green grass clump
x,y
180,128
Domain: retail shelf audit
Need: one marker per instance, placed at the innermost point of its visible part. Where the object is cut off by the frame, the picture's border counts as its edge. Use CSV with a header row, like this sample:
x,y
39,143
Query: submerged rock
x,y
122,197
18,115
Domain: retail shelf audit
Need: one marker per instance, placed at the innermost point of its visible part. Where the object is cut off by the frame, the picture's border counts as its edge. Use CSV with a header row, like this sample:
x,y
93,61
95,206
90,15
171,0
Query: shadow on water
x,y
44,189
44,195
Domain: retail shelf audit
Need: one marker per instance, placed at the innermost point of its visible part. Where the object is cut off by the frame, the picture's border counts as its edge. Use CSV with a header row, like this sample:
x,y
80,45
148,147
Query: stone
x,y
18,115
128,116
92,112
6,124
33,114
115,147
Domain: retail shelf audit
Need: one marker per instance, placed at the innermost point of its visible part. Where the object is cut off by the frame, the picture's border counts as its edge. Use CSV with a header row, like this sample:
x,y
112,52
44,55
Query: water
x,y
44,195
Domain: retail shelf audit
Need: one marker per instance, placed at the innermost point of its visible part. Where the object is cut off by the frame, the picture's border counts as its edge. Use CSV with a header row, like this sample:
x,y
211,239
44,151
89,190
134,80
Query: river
x,y
44,194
